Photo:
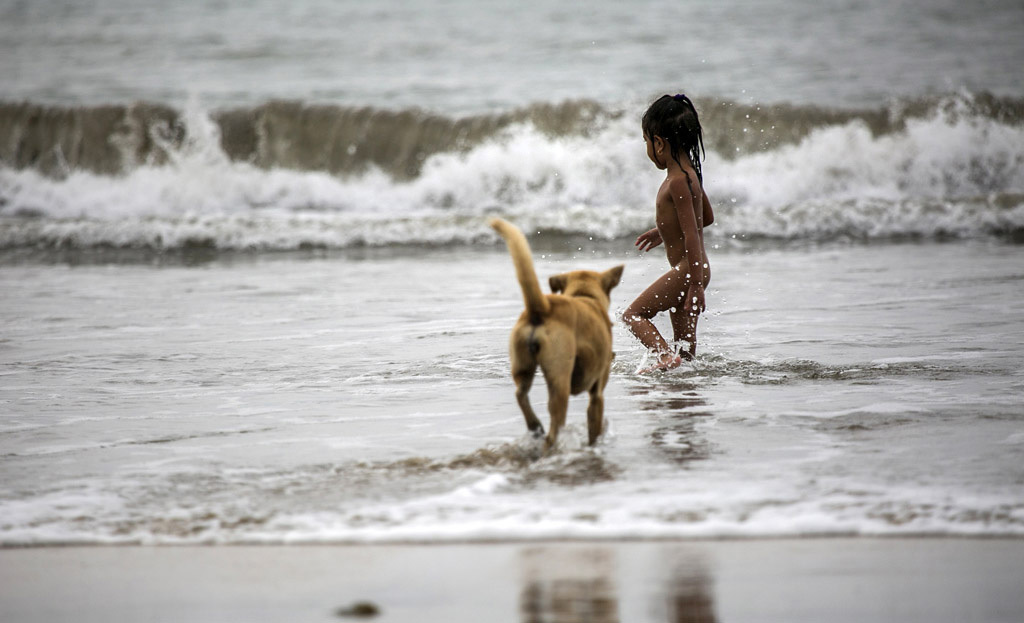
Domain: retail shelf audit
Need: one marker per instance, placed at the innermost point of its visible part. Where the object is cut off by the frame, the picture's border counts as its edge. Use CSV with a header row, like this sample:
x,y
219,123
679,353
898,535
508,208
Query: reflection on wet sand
x,y
569,586
579,586
689,597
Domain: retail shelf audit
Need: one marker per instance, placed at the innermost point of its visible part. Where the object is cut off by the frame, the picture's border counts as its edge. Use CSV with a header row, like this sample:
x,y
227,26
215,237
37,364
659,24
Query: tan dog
x,y
569,335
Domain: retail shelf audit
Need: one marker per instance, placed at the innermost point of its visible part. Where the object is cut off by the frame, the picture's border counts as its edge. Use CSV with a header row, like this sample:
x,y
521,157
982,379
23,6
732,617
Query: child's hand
x,y
694,303
648,240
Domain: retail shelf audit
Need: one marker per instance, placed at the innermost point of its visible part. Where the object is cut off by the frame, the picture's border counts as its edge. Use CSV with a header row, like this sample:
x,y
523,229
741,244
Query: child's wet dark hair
x,y
674,118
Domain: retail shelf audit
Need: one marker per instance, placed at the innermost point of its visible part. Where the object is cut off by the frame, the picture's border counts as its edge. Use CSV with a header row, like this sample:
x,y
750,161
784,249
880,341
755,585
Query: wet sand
x,y
834,579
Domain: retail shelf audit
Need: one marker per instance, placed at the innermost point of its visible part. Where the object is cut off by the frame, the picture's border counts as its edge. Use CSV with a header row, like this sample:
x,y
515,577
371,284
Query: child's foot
x,y
666,361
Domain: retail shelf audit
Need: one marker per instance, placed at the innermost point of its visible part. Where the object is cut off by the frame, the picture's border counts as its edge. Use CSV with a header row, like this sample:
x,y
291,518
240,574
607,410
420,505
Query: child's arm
x,y
709,216
690,222
648,240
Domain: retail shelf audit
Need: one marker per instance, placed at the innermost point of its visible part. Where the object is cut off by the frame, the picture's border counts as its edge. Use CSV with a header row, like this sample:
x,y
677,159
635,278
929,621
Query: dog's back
x,y
567,335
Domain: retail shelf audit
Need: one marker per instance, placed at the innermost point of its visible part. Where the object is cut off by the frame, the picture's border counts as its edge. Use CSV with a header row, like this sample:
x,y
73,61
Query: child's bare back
x,y
672,193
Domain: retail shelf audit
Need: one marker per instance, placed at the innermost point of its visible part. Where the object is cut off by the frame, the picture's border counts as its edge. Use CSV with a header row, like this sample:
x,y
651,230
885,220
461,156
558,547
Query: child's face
x,y
655,146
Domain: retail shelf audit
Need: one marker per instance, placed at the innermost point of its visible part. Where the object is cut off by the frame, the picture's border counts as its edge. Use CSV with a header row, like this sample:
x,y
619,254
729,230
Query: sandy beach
x,y
837,579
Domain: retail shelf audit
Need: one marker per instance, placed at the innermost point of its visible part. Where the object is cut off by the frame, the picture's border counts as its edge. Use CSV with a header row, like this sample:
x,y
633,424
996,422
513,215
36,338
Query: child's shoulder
x,y
682,185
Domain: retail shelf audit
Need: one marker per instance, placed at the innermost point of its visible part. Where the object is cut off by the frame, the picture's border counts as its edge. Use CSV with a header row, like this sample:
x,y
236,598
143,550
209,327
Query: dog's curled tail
x,y
536,303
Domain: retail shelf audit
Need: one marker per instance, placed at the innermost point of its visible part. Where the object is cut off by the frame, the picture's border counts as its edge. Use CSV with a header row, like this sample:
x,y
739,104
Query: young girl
x,y
675,144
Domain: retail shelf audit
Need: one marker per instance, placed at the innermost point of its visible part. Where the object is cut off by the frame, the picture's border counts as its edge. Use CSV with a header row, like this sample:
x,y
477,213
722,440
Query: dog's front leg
x,y
595,414
595,410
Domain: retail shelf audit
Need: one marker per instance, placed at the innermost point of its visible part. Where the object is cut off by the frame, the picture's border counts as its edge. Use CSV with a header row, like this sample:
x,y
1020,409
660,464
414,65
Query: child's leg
x,y
684,329
662,295
684,326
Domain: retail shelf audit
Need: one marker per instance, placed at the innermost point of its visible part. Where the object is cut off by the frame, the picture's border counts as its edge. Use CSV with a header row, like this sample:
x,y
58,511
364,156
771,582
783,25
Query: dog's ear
x,y
558,283
610,278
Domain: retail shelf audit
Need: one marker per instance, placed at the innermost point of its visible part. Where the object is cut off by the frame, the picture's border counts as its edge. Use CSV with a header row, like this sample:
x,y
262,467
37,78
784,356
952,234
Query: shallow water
x,y
868,389
230,318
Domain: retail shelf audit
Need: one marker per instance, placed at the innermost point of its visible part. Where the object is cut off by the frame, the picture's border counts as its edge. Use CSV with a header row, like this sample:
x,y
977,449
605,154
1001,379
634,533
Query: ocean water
x,y
459,56
248,293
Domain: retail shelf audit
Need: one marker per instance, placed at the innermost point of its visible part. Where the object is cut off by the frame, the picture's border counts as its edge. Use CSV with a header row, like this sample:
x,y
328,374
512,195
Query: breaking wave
x,y
286,175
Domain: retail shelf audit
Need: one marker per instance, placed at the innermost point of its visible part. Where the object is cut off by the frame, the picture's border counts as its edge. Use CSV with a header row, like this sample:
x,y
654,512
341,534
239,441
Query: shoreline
x,y
735,579
515,541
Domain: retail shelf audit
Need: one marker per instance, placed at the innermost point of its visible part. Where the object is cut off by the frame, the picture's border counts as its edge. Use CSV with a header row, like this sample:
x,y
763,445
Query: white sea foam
x,y
939,175
631,516
953,173
492,507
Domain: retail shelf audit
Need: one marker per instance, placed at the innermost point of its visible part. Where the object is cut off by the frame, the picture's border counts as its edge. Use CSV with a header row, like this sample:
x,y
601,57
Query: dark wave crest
x,y
287,134
340,140
732,128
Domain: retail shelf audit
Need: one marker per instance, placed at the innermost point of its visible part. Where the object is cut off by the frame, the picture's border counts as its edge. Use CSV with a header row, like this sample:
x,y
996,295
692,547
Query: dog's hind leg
x,y
558,404
524,380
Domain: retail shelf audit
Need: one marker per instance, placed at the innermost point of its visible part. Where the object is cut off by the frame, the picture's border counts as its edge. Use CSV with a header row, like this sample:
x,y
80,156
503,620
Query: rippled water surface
x,y
365,396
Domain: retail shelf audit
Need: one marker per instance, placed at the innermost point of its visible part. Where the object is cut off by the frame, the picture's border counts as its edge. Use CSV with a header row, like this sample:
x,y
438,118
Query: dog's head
x,y
588,283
